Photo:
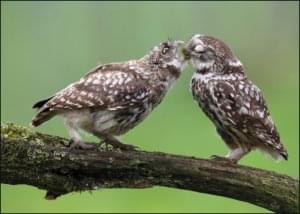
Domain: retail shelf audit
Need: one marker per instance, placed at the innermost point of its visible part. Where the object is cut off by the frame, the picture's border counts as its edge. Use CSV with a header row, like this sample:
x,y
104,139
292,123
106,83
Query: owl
x,y
232,102
113,98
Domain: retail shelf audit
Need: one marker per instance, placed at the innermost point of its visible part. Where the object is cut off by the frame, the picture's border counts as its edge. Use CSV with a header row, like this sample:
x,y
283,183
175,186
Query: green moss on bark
x,y
41,160
16,132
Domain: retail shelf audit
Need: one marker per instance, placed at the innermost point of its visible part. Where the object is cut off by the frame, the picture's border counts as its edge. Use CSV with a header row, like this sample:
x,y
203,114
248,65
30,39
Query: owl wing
x,y
111,86
246,110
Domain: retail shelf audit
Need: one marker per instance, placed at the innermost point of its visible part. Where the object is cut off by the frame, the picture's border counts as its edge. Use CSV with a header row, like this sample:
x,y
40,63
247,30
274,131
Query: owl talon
x,y
128,147
222,159
119,145
81,145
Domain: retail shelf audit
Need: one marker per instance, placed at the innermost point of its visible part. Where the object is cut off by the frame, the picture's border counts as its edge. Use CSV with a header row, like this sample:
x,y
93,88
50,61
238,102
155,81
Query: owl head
x,y
167,55
209,53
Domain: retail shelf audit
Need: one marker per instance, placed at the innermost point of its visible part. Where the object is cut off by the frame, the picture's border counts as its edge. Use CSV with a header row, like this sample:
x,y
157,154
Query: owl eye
x,y
165,49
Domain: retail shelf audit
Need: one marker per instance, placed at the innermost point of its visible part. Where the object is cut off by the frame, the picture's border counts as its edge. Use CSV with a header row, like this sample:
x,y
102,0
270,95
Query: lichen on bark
x,y
44,161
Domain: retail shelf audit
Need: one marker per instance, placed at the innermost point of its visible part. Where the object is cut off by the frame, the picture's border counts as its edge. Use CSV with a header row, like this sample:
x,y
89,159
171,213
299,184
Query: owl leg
x,y
236,154
76,142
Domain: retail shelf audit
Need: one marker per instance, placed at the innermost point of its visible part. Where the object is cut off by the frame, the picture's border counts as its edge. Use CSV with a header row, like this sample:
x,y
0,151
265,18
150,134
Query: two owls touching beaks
x,y
113,98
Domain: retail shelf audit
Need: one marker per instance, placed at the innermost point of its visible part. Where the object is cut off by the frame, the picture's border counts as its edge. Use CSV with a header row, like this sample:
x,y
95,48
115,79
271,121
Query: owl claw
x,y
119,145
127,147
81,145
222,159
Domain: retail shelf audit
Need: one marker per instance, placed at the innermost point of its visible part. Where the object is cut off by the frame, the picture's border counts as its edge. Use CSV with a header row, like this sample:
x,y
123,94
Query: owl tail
x,y
275,153
279,154
42,117
45,113
41,103
284,154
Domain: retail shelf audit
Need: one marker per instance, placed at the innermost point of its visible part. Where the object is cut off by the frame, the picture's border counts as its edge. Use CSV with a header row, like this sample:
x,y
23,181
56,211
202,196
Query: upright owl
x,y
232,102
113,98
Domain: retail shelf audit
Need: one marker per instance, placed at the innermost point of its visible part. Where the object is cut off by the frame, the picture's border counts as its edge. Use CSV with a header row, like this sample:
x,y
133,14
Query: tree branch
x,y
45,161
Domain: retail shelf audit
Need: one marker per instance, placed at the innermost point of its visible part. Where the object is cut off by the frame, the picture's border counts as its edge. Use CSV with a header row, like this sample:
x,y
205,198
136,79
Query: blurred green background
x,y
47,45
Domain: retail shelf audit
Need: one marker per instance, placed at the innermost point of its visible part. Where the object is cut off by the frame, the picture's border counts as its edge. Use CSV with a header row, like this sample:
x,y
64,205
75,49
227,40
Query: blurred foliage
x,y
47,45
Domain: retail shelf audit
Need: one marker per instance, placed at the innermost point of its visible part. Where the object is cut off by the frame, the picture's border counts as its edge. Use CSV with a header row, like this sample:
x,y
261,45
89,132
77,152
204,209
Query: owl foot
x,y
117,144
81,145
223,159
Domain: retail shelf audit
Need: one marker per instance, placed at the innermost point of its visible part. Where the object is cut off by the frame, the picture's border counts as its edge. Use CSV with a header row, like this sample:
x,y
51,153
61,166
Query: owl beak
x,y
186,53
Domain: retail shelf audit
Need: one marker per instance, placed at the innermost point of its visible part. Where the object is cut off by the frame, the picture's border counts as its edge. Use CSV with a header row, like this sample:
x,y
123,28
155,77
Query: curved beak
x,y
186,53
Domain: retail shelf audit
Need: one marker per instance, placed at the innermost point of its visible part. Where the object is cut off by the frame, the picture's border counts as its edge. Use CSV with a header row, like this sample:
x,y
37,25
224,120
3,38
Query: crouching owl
x,y
232,102
113,98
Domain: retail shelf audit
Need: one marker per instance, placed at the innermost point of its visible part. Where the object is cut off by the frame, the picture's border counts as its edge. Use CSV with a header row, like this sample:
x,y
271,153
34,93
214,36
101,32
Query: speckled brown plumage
x,y
233,103
113,98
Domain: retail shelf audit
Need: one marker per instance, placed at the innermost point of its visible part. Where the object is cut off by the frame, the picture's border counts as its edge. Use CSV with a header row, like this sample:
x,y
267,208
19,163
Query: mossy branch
x,y
45,161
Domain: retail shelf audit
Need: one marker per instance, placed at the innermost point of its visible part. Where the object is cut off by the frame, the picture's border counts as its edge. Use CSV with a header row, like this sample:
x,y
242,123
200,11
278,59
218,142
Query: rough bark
x,y
45,161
